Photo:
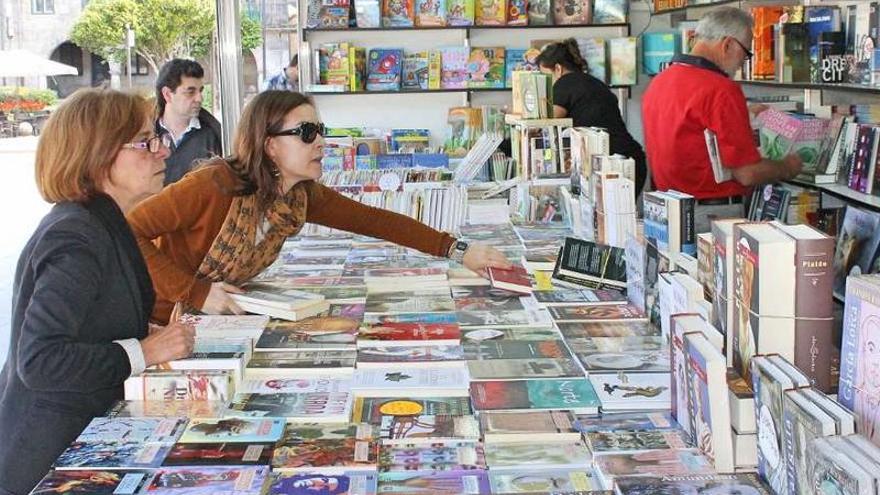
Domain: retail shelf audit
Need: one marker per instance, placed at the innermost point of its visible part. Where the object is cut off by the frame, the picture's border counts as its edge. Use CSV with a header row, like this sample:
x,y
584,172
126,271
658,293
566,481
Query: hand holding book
x,y
218,301
479,257
174,341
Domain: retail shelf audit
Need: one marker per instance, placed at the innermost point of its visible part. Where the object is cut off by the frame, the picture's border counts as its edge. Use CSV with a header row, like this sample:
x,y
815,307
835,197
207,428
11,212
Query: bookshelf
x,y
691,5
842,192
428,108
856,88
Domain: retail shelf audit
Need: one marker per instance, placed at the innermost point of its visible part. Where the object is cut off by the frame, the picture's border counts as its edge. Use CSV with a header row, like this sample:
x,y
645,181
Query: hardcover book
x,y
460,12
490,12
725,260
610,11
572,12
804,421
532,395
384,68
857,245
833,471
430,13
398,13
454,66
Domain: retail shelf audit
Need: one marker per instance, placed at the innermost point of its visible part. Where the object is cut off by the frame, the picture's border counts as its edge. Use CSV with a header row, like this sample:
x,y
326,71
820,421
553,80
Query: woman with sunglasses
x,y
225,222
82,295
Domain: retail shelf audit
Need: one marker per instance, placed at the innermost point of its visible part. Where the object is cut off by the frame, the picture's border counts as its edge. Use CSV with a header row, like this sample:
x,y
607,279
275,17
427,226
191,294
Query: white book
x,y
633,391
317,307
227,326
411,382
287,299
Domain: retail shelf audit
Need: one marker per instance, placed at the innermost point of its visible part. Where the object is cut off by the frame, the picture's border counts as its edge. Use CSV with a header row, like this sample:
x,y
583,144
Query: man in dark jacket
x,y
194,131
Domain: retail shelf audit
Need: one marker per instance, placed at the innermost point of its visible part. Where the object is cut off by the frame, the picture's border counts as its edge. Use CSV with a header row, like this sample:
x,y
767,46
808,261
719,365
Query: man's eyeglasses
x,y
153,145
748,52
307,131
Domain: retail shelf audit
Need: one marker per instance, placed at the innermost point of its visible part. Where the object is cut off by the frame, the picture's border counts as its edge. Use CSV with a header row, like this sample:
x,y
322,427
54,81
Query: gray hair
x,y
723,22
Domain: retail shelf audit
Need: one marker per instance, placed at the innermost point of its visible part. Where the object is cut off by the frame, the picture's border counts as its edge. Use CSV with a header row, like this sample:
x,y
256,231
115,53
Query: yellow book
x,y
434,68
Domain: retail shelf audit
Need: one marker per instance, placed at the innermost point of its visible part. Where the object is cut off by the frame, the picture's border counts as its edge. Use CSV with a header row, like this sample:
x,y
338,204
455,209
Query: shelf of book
x,y
417,91
842,192
696,6
468,28
860,88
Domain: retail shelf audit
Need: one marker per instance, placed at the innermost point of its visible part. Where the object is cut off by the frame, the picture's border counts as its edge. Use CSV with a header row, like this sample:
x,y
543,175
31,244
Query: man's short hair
x,y
171,74
723,22
294,60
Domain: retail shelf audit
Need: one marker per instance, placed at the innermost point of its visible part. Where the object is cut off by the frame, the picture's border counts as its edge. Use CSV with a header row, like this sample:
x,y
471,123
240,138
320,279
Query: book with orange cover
x,y
763,41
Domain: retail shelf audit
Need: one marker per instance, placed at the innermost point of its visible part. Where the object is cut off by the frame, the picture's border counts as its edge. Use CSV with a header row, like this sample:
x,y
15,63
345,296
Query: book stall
x,y
623,353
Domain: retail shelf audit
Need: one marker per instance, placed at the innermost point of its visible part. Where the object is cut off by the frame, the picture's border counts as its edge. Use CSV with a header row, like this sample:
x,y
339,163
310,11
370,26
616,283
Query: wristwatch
x,y
457,250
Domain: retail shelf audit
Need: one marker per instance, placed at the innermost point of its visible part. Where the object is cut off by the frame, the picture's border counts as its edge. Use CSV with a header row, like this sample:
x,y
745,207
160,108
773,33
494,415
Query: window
x,y
42,6
139,66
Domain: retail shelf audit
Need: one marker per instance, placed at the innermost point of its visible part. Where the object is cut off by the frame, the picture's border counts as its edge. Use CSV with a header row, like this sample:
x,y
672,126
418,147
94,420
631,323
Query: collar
x,y
697,61
194,123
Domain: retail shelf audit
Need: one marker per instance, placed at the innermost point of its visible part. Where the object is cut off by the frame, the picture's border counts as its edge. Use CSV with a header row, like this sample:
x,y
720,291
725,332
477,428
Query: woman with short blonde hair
x,y
82,296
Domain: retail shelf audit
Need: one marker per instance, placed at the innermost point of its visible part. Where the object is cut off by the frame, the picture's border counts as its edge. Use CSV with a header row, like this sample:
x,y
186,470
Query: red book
x,y
514,279
409,333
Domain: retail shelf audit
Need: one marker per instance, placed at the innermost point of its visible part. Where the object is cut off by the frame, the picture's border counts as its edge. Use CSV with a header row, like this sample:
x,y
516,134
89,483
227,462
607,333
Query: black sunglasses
x,y
748,52
307,131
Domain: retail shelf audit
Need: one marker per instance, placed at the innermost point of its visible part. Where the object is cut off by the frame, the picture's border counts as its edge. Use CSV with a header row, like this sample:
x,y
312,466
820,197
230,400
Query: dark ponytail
x,y
565,53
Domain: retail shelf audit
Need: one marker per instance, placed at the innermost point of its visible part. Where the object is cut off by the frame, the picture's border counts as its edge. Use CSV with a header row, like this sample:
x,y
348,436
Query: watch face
x,y
461,245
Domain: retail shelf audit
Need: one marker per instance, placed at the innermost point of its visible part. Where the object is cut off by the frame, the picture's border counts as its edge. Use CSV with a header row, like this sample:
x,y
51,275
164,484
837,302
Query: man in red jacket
x,y
694,94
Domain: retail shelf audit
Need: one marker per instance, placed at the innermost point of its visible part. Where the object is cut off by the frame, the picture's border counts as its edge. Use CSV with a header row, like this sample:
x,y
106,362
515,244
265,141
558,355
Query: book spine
x,y
687,228
849,347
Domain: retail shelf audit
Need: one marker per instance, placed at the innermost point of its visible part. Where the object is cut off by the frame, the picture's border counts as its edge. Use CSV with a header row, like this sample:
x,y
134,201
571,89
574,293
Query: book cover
x,y
311,333
636,421
112,455
93,482
637,391
572,12
502,369
344,482
188,385
509,302
610,11
436,456
681,485
582,480
682,462
517,13
383,67
803,421
314,406
460,12
515,279
391,355
632,361
454,61
165,409
415,333
415,70
238,430
833,471
594,52
592,262
430,13
220,454
410,381
122,429
633,441
530,424
622,61
397,13
486,66
764,293
626,328
540,12
428,429
435,482
577,395
475,351
309,454
566,314
543,454
371,410
708,406
858,353
490,12
226,480
857,244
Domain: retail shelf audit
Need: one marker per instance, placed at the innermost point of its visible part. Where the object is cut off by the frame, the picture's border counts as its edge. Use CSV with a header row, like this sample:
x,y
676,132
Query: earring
x,y
276,172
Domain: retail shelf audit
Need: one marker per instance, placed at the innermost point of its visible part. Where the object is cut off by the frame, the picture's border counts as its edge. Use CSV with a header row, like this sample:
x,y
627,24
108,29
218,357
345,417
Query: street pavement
x,y
21,209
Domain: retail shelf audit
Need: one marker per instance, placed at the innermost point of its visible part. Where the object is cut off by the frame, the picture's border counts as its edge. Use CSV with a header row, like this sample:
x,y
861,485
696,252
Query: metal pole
x,y
129,34
229,78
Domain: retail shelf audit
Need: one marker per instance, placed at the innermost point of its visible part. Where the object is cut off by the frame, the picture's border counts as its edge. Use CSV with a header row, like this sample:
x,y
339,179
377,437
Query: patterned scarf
x,y
235,256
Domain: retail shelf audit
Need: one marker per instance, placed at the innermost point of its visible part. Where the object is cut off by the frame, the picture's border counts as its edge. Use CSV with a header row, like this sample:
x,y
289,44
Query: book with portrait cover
x,y
857,245
540,394
226,480
339,481
403,333
238,430
769,383
670,462
435,481
428,429
859,352
708,407
764,293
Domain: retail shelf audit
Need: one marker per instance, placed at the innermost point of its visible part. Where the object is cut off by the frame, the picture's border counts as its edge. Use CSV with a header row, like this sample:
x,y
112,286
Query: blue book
x,y
430,160
657,49
384,67
403,160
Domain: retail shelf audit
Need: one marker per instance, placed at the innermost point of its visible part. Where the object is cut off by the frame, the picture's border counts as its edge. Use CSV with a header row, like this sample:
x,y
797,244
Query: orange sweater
x,y
176,228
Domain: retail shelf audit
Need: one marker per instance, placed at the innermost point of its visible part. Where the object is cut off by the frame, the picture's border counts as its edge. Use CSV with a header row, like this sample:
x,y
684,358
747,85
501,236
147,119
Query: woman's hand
x,y
168,343
218,301
478,257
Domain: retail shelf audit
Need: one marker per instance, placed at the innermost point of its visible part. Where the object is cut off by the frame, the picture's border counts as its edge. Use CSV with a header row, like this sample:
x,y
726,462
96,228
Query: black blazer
x,y
78,287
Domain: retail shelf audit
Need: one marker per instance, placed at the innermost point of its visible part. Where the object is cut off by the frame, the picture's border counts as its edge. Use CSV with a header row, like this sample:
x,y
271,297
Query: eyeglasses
x,y
307,131
153,144
748,52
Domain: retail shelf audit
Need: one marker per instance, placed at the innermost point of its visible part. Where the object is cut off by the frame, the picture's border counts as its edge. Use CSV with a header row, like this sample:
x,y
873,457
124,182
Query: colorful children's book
x,y
572,12
610,11
517,13
384,66
594,53
398,13
460,12
327,14
490,12
454,70
368,13
622,57
540,12
430,13
415,70
486,68
518,59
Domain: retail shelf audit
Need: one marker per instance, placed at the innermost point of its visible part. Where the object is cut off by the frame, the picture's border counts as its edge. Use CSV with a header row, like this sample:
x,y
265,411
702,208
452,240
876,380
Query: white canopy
x,y
22,63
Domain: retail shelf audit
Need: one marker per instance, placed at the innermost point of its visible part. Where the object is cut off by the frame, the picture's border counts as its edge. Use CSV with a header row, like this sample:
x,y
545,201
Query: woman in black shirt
x,y
588,101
